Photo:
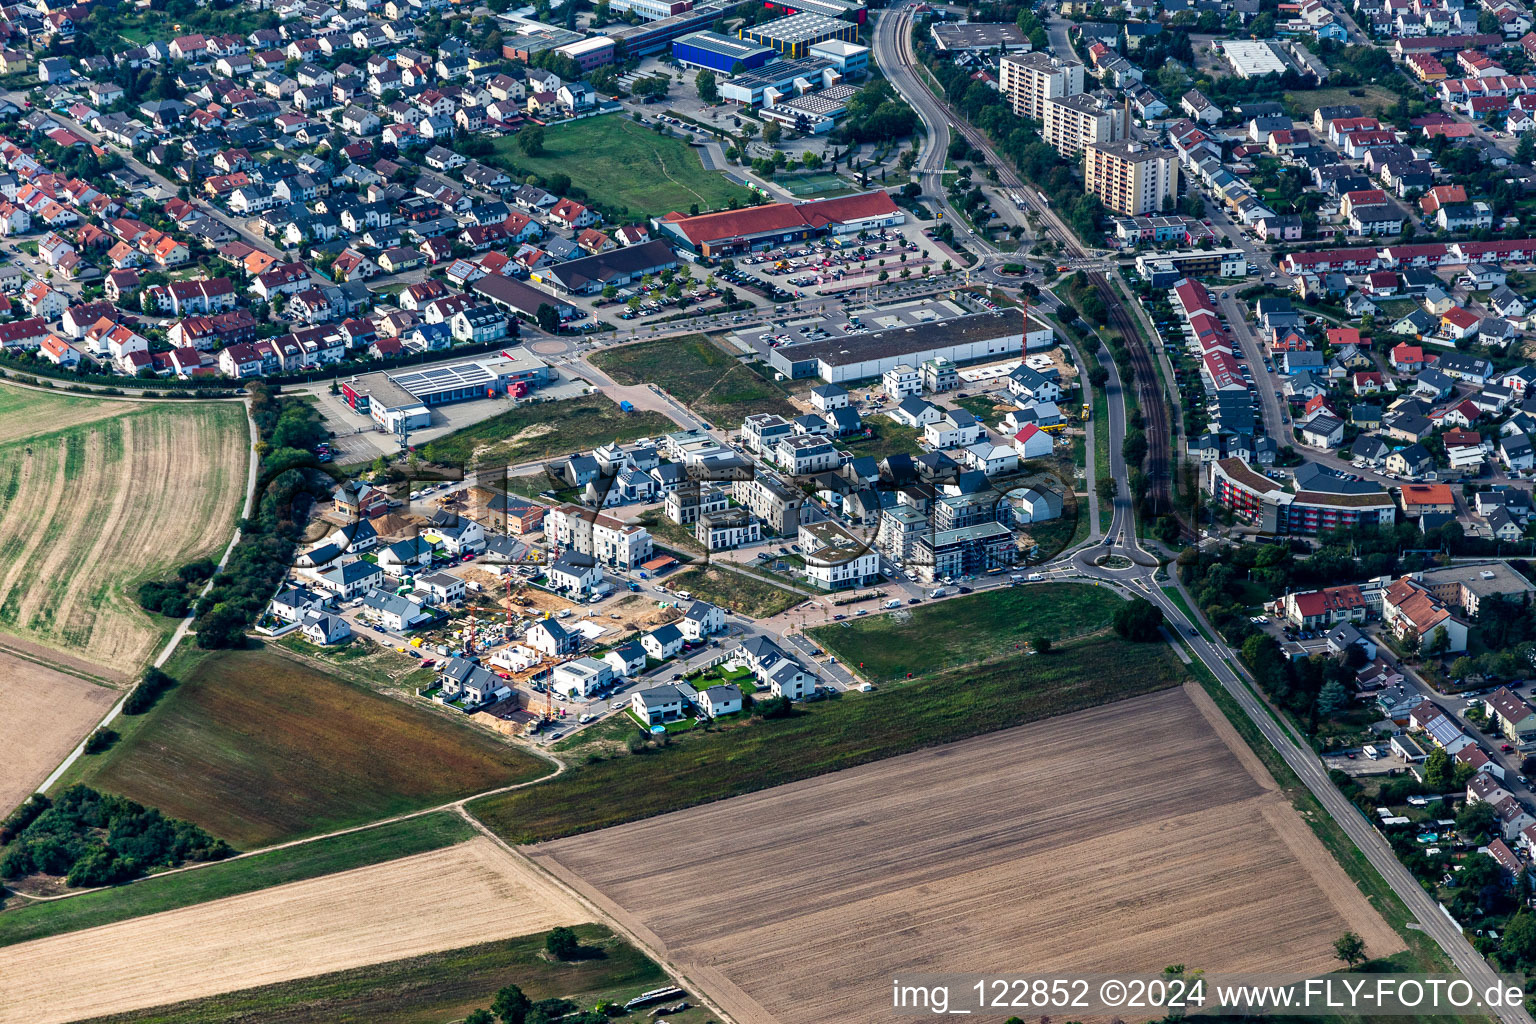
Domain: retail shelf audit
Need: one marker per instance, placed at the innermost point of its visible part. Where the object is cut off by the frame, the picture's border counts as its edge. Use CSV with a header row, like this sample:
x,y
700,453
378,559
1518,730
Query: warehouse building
x,y
795,35
979,37
776,79
591,274
1251,58
401,400
712,51
845,10
813,113
726,232
965,339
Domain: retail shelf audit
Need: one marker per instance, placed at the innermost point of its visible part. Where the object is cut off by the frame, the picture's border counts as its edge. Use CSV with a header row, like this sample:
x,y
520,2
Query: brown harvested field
x,y
26,413
258,748
1011,851
88,510
46,713
473,892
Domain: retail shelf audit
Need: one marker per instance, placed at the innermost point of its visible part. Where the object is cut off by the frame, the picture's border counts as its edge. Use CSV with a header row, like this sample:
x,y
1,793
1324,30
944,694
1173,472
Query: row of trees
x,y
289,477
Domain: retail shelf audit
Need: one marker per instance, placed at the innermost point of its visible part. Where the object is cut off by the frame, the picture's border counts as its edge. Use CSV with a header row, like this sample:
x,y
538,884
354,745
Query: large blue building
x,y
714,52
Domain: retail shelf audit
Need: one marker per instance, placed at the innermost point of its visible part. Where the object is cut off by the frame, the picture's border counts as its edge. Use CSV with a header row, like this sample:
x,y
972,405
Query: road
x,y
896,62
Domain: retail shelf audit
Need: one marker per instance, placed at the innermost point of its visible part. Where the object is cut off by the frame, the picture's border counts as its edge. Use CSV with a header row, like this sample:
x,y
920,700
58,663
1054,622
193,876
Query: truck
x,y
626,406
1371,753
893,603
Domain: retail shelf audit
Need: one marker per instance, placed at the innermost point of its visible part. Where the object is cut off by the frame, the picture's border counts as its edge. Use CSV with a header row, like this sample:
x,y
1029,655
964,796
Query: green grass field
x,y
542,430
748,595
434,988
22,921
890,438
1373,100
623,164
258,748
697,373
966,629
719,762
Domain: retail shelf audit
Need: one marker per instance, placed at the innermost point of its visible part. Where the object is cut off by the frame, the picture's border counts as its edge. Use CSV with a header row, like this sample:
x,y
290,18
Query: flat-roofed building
x,y
979,37
1131,178
1074,123
1027,80
795,35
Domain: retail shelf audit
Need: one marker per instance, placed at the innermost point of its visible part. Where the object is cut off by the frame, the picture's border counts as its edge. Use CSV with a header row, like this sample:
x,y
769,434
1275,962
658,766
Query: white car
x,y
616,705
584,719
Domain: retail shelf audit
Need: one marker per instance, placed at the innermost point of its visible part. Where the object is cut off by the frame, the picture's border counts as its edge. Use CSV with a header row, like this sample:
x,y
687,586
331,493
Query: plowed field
x,y
1124,838
473,892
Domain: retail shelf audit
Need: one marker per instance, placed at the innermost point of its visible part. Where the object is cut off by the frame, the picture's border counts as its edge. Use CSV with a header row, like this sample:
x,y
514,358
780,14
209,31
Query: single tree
x,y
511,1005
1043,644
1332,699
480,1016
562,944
531,140
1350,948
709,89
548,317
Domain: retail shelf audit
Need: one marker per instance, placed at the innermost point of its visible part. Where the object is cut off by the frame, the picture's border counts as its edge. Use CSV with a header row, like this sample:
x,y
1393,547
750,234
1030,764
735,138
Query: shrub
x,y
23,816
94,839
100,740
1139,620
147,692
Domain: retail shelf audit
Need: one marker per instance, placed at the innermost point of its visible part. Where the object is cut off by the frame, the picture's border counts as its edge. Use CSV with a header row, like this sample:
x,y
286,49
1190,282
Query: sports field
x,y
623,164
1013,850
46,713
97,496
472,892
258,748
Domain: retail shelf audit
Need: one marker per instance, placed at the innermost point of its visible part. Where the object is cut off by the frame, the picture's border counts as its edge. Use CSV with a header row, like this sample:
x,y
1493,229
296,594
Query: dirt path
x,y
444,899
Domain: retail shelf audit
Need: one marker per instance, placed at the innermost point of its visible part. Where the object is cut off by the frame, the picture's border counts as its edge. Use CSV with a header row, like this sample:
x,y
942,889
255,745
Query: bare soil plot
x,y
89,511
1006,852
473,892
43,714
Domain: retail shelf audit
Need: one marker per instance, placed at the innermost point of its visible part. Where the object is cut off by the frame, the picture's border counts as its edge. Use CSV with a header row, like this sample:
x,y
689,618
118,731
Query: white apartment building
x,y
573,528
1131,178
901,381
835,559
1029,79
1074,123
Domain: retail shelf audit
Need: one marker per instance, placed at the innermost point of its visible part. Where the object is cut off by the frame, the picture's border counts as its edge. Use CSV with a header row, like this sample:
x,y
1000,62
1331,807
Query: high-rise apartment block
x,y
1132,178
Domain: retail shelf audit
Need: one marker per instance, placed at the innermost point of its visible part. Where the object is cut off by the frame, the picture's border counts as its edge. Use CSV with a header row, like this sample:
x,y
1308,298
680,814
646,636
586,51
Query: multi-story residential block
x,y
606,539
1074,123
1028,80
835,559
1131,177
